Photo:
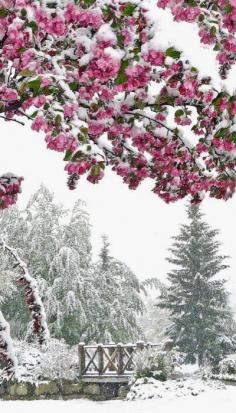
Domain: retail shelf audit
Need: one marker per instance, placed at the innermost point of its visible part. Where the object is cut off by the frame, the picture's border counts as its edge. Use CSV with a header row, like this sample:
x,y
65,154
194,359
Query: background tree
x,y
39,233
153,331
83,301
197,298
77,233
119,294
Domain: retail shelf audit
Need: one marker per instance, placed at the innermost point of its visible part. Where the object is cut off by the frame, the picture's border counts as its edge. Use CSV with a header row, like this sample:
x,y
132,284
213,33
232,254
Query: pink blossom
x,y
69,109
155,57
39,123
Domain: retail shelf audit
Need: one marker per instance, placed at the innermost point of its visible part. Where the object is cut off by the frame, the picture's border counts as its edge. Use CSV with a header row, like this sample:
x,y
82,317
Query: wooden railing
x,y
109,359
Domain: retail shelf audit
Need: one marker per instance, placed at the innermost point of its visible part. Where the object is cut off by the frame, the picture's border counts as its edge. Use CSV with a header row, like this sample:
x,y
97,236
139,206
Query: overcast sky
x,y
138,223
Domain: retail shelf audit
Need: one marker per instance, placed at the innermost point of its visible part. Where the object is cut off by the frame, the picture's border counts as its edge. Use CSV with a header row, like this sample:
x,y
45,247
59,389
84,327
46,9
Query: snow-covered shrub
x,y
228,366
151,363
149,388
57,361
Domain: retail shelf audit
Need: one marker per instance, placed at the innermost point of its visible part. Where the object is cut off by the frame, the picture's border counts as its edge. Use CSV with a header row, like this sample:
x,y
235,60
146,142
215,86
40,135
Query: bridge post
x,y
140,345
81,351
100,359
120,360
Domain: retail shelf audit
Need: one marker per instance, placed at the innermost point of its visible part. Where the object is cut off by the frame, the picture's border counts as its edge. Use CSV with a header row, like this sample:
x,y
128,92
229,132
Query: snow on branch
x,y
32,297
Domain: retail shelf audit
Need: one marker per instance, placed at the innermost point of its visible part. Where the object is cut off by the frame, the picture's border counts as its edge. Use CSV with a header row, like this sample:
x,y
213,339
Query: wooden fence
x,y
109,359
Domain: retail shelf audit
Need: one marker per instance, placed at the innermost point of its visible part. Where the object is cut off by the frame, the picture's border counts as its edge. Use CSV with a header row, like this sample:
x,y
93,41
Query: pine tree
x,y
77,233
197,298
119,299
64,302
104,253
44,231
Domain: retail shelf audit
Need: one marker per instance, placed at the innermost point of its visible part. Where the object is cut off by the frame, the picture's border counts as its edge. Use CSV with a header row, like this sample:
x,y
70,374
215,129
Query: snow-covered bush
x,y
228,366
149,388
57,361
151,363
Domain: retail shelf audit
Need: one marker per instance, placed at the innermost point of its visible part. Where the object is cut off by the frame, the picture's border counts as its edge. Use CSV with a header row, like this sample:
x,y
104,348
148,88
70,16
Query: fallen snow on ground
x,y
144,388
212,401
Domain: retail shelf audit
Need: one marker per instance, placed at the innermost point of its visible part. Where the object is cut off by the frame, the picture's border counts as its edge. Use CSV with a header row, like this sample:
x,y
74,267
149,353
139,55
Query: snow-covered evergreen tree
x,y
44,231
119,299
77,233
197,298
64,300
104,253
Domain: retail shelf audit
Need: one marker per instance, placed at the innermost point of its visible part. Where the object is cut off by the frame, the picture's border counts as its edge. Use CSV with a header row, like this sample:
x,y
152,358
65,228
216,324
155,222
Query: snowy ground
x,y
212,401
209,401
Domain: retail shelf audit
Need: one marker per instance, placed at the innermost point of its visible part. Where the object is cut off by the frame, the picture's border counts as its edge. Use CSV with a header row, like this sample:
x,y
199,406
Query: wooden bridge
x,y
109,363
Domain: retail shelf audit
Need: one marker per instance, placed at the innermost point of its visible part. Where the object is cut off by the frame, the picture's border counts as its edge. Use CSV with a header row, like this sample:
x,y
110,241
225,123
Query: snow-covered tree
x,y
44,233
13,228
197,298
65,303
104,253
95,78
83,301
34,304
35,233
119,301
77,233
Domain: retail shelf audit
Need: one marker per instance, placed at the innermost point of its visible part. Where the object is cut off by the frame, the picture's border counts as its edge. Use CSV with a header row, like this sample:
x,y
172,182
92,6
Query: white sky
x,y
138,223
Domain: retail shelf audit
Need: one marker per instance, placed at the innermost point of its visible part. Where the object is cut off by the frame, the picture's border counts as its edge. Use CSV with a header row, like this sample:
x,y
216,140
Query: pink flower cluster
x,y
79,72
61,142
10,187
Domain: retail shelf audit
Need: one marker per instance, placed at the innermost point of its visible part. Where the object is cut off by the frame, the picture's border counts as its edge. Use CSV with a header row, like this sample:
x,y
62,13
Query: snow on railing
x,y
110,359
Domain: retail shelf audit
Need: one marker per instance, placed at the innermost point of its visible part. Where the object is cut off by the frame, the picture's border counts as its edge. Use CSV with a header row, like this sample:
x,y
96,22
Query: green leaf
x,y
84,129
172,52
46,106
74,86
179,113
77,155
228,8
217,100
34,114
122,77
213,30
26,73
82,139
102,164
191,2
23,12
34,85
129,9
4,13
58,120
33,25
95,170
221,133
216,47
233,137
67,156
88,2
